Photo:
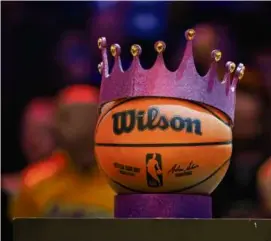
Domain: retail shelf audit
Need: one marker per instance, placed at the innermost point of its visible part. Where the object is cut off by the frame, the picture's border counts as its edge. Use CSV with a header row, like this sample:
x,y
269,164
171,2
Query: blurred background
x,y
47,46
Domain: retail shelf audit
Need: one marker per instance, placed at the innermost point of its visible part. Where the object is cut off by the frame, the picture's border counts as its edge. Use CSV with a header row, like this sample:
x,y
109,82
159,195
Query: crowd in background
x,y
49,46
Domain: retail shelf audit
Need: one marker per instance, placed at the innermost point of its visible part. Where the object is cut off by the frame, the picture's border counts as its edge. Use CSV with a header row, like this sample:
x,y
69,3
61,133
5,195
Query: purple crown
x,y
184,83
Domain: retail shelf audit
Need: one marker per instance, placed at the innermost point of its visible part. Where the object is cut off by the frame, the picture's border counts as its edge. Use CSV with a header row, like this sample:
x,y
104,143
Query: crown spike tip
x,y
136,50
216,55
190,34
238,75
102,46
115,50
230,66
101,42
240,71
160,47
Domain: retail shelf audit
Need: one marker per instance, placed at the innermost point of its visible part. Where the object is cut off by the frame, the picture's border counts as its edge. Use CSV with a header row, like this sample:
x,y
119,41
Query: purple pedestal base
x,y
163,206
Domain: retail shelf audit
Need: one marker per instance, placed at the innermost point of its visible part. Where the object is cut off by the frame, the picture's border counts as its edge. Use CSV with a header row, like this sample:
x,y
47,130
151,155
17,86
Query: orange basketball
x,y
161,145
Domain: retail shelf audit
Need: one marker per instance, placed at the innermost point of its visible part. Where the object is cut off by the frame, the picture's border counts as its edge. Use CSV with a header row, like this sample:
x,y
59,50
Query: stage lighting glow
x,y
145,21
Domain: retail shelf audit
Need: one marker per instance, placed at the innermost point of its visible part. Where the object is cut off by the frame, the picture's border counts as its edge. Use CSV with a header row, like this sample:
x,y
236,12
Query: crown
x,y
184,83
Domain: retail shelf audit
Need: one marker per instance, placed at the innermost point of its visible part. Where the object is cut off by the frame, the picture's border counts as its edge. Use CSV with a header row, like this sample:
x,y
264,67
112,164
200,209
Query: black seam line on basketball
x,y
214,114
175,191
164,144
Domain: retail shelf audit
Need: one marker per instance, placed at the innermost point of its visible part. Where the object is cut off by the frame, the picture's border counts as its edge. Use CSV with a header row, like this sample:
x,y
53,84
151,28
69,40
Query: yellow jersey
x,y
53,188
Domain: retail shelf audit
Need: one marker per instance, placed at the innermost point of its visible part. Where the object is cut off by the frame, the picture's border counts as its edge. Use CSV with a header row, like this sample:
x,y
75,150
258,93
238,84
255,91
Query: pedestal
x,y
163,206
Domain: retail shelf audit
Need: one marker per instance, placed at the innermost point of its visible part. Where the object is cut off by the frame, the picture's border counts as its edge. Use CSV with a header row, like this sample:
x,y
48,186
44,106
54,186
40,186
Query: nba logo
x,y
154,172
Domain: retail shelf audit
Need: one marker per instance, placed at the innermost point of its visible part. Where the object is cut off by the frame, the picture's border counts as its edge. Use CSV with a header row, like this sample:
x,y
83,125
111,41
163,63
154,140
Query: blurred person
x,y
251,146
69,183
205,42
37,125
210,37
37,139
251,142
248,111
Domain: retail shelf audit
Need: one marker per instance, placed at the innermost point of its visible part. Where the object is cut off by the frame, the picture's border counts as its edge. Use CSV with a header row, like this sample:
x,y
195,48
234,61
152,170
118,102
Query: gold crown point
x,y
135,50
190,34
100,67
216,55
113,50
160,46
101,42
241,71
230,66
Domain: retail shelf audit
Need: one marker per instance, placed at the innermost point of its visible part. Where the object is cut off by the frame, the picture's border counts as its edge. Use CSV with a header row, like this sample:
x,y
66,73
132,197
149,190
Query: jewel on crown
x,y
184,83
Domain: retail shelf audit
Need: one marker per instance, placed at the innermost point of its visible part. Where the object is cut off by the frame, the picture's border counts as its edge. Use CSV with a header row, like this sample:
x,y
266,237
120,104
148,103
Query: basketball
x,y
162,145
